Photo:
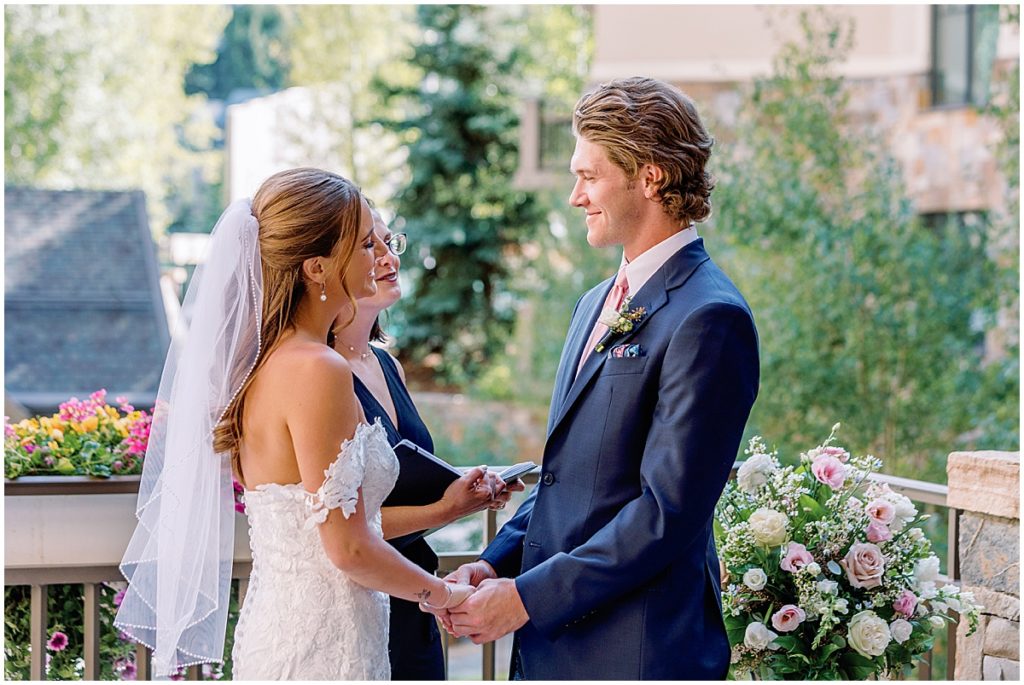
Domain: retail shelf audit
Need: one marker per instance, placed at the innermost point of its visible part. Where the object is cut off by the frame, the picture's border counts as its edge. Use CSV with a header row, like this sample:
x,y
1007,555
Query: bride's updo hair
x,y
303,213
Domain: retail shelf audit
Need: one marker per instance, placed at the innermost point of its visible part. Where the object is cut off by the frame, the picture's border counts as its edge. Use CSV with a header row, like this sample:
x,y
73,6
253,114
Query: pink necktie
x,y
614,300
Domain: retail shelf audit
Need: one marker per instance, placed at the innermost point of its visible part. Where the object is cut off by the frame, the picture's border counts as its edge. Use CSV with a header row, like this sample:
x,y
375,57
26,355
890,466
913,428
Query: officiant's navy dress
x,y
414,644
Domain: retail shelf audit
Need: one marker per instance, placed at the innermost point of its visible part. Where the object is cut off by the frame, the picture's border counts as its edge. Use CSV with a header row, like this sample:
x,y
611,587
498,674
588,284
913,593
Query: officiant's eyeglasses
x,y
398,243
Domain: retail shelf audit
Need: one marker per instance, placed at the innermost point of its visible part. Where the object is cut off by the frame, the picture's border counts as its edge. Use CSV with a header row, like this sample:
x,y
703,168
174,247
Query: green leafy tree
x,y
94,98
866,314
459,207
252,54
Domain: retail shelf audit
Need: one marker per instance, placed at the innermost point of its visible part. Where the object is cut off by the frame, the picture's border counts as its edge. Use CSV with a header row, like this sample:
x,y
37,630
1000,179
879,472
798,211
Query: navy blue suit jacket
x,y
613,551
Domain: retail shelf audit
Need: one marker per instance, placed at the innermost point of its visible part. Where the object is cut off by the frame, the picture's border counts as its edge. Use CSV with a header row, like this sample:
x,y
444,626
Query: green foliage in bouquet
x,y
85,438
829,576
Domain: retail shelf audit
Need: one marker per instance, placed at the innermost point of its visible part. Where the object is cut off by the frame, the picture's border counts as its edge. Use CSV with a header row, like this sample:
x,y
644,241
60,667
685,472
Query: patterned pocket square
x,y
627,351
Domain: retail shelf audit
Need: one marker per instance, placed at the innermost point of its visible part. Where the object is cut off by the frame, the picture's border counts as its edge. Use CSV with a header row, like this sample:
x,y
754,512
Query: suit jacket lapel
x,y
579,332
652,297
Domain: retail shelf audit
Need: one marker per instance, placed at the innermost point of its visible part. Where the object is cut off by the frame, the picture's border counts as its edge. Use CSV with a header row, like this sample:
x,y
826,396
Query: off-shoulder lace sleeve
x,y
342,479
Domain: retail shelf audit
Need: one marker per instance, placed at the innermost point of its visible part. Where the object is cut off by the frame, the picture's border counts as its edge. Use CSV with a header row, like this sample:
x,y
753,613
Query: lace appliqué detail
x,y
342,479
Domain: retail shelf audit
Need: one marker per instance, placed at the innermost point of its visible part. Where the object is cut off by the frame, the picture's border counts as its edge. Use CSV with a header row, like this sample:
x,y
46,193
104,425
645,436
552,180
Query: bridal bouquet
x,y
827,575
85,438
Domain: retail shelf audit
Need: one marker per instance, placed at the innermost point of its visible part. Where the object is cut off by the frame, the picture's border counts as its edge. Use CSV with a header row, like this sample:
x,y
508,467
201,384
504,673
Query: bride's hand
x,y
459,595
471,493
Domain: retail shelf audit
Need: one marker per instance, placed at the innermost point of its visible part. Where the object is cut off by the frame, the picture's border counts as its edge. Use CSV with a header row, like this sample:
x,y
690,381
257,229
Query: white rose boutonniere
x,y
619,322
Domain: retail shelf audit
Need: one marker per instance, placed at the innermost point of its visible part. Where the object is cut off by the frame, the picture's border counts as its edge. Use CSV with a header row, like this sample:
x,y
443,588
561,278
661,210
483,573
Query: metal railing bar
x,y
37,632
91,629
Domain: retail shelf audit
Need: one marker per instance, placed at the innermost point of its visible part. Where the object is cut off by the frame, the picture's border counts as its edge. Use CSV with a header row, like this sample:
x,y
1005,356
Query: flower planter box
x,y
74,529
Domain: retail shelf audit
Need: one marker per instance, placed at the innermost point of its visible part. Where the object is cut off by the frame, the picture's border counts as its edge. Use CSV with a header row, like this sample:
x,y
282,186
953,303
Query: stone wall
x,y
986,487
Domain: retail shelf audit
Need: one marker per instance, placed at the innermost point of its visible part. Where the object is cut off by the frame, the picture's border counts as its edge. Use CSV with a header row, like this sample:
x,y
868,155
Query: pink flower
x,y
878,532
830,471
905,603
48,462
58,642
117,465
881,511
864,565
837,452
30,448
118,598
788,618
240,507
129,672
796,557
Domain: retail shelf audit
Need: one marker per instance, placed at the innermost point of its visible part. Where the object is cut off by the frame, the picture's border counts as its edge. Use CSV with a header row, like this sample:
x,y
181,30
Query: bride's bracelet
x,y
443,604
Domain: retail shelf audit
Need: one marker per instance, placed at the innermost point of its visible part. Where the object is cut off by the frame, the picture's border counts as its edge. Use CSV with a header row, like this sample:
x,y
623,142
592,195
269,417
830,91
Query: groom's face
x,y
612,202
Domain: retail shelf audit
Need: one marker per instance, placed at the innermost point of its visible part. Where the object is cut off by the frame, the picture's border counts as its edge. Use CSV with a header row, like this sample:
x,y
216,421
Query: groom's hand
x,y
472,573
494,610
468,574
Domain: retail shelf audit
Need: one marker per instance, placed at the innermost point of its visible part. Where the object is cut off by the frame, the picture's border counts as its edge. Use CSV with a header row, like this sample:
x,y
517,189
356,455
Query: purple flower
x,y
118,598
240,507
58,642
30,448
49,462
128,672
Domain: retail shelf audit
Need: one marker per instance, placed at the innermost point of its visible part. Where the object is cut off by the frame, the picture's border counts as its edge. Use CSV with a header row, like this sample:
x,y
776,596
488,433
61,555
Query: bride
x,y
251,388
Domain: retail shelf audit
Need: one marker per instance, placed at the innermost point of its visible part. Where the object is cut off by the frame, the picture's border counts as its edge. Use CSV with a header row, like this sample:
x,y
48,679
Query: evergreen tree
x,y
251,55
464,219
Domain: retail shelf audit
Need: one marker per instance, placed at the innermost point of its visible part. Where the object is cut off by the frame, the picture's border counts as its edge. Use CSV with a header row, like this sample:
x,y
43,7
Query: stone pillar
x,y
986,487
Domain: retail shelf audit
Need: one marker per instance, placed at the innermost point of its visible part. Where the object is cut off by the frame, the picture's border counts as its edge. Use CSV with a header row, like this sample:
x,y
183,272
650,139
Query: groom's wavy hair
x,y
303,213
644,121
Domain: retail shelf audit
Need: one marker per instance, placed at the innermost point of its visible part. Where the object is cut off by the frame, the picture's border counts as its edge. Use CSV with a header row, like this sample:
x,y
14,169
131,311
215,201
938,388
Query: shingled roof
x,y
82,297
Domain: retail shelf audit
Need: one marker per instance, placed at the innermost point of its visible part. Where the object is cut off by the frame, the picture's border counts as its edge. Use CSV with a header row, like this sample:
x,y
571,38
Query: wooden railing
x,y
92,576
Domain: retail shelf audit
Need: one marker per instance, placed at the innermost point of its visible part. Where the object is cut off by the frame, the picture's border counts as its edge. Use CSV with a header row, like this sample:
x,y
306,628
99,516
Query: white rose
x,y
609,317
927,570
939,607
754,472
868,634
757,637
927,590
768,526
936,621
916,534
905,509
828,587
900,629
755,579
812,568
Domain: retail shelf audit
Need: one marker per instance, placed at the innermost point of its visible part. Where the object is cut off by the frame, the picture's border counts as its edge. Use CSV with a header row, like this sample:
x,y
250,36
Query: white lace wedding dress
x,y
302,618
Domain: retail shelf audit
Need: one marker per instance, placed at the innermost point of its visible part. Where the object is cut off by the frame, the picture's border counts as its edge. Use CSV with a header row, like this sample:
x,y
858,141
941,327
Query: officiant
x,y
414,646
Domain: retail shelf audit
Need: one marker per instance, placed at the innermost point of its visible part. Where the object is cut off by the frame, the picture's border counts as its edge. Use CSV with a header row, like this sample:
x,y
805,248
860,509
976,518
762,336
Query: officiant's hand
x,y
476,490
494,610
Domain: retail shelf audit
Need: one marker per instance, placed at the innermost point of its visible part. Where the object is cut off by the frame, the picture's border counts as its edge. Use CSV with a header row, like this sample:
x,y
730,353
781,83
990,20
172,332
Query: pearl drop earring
x,y
323,292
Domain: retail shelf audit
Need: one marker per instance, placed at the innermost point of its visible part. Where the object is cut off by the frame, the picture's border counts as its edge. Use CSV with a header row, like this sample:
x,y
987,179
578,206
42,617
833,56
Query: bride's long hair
x,y
302,213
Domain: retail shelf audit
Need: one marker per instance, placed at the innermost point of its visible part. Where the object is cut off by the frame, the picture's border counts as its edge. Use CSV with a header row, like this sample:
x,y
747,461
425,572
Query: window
x,y
964,41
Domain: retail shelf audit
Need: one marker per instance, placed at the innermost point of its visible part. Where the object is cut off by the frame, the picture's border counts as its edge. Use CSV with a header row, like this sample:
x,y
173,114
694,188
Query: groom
x,y
614,564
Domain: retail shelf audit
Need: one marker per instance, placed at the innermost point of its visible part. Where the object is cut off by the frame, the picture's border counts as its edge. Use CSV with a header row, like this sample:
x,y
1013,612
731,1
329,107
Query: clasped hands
x,y
494,609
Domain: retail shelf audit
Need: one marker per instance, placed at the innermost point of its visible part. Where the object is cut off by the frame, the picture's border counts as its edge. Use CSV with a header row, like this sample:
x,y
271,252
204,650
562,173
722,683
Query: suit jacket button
x,y
548,479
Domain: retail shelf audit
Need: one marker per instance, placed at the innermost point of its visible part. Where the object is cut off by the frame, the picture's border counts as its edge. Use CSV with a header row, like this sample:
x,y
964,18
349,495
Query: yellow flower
x,y
52,445
112,413
57,434
90,424
26,441
46,423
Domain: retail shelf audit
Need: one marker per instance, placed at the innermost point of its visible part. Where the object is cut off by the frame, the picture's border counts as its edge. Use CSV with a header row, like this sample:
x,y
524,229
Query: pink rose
x,y
796,557
788,618
864,565
837,452
878,532
882,511
905,603
830,471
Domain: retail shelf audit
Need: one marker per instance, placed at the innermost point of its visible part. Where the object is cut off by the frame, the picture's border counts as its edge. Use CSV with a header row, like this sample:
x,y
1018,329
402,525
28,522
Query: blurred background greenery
x,y
870,312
